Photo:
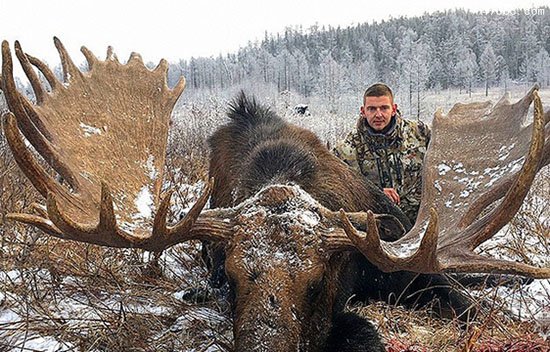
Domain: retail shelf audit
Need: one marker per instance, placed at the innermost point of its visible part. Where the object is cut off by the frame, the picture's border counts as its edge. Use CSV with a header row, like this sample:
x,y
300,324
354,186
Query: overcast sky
x,y
181,29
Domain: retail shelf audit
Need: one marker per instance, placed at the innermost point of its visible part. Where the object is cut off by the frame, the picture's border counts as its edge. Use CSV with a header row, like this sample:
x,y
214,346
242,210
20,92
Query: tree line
x,y
452,49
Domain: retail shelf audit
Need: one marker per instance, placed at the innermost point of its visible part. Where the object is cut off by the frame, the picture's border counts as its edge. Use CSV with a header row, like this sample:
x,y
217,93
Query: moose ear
x,y
389,227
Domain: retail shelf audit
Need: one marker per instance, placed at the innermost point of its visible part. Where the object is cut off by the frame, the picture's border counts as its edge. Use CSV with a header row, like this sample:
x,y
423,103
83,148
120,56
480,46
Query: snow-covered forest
x,y
454,49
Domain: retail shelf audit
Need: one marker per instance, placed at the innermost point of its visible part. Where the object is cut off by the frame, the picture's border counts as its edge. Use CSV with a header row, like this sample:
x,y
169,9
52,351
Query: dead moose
x,y
301,232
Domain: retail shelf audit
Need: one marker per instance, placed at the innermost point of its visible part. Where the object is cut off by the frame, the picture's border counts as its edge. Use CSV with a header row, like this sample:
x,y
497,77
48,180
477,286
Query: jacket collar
x,y
386,138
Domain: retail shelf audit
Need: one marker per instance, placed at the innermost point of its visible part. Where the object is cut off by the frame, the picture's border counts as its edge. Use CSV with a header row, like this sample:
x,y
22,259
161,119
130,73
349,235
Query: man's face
x,y
378,111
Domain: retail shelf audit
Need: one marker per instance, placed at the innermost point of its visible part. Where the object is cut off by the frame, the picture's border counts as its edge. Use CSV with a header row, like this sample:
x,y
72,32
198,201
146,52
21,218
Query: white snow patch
x,y
150,165
504,151
195,315
529,303
443,169
309,218
449,202
89,130
8,316
11,276
144,204
497,172
458,168
42,344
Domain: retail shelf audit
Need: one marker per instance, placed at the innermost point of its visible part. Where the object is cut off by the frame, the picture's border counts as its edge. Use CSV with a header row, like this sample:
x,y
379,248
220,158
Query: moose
x,y
299,231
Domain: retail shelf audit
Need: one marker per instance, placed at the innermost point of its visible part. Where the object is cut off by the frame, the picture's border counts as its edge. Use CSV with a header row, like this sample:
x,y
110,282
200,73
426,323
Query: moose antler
x,y
105,133
475,158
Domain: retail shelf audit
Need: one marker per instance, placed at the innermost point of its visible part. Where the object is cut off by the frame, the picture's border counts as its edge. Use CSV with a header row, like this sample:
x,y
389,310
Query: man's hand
x,y
392,195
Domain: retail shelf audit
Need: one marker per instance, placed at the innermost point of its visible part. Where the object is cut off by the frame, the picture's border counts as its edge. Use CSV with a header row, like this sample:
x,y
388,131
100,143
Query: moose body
x,y
288,295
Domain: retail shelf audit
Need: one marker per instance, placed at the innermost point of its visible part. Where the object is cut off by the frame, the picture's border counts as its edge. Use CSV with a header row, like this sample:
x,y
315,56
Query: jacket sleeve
x,y
346,151
425,132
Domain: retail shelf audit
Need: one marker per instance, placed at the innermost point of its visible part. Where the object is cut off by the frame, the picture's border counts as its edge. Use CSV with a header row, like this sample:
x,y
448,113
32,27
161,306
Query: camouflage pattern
x,y
392,159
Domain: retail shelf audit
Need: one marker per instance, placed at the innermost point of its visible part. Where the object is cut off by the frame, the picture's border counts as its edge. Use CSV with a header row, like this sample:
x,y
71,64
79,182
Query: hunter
x,y
387,149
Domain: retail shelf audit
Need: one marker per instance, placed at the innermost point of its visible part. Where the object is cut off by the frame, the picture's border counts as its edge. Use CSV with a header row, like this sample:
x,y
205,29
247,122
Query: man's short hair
x,y
378,90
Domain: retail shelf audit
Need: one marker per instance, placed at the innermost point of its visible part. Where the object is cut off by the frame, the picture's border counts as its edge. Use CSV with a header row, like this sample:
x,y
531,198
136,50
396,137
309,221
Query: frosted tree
x,y
329,80
530,45
505,77
465,69
541,67
284,62
488,67
364,71
301,75
266,63
387,64
413,71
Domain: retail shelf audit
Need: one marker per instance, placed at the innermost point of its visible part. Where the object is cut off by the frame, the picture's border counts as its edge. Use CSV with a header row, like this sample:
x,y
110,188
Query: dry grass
x,y
88,298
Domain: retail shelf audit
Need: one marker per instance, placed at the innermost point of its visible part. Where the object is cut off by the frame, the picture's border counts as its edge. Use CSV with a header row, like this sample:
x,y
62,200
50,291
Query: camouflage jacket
x,y
390,159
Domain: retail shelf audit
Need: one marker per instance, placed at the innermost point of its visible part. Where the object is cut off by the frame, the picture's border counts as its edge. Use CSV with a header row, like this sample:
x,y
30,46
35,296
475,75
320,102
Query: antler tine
x,y
159,223
40,179
471,262
42,67
487,226
40,222
178,88
39,93
70,71
393,228
102,234
31,74
135,59
111,55
213,228
90,57
384,255
30,122
162,66
107,218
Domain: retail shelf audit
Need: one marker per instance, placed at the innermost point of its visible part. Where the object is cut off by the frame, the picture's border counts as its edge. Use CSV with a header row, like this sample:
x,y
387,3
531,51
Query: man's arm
x,y
345,151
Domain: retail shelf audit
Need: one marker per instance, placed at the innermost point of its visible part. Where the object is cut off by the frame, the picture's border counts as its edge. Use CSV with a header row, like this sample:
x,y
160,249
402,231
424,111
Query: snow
x,y
8,316
194,314
150,166
443,169
504,151
497,172
144,204
42,344
23,341
89,130
13,276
